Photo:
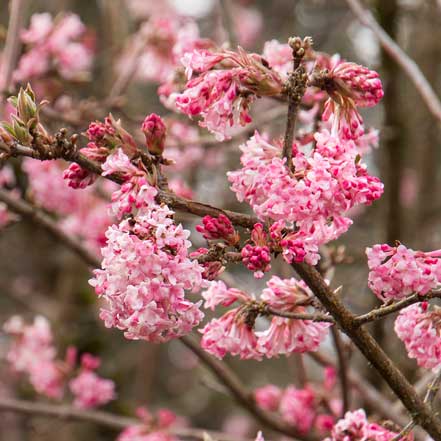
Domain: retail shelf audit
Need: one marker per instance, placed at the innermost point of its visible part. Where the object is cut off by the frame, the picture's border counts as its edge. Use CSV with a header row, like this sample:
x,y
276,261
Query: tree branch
x,y
239,392
409,66
342,369
370,349
105,419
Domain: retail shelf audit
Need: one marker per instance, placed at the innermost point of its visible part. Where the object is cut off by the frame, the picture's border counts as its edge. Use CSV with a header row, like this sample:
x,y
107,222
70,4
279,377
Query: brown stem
x,y
370,349
383,311
300,316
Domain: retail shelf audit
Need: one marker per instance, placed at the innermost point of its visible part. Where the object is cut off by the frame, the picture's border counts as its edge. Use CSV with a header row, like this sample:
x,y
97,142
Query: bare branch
x,y
370,349
342,369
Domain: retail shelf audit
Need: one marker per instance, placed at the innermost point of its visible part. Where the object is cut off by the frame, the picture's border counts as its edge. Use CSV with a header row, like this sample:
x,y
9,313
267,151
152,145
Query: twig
x,y
33,213
238,390
105,419
227,19
12,46
370,349
409,66
295,88
342,369
300,316
383,311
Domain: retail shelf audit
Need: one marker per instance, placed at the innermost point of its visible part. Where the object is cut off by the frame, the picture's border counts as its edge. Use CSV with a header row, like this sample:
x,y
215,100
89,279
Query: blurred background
x,y
39,276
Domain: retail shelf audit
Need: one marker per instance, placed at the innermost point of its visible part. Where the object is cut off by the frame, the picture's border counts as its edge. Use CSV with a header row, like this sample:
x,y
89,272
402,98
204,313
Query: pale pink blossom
x,y
418,327
355,427
90,390
268,397
145,273
297,407
396,272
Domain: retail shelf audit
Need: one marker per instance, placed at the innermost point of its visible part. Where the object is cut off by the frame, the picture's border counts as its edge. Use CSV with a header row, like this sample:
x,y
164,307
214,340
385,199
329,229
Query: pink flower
x,y
145,273
218,294
231,334
356,82
220,227
119,162
90,390
418,327
222,97
396,272
297,407
356,427
54,44
268,397
309,205
256,259
155,132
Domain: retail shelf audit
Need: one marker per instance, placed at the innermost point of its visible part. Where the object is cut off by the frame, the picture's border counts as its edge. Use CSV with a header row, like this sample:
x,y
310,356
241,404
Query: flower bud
x,y
155,131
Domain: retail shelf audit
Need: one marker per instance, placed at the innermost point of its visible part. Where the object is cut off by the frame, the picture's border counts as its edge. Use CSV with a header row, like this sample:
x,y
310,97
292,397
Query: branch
x,y
300,316
370,349
37,215
409,66
238,390
342,369
383,311
105,419
13,44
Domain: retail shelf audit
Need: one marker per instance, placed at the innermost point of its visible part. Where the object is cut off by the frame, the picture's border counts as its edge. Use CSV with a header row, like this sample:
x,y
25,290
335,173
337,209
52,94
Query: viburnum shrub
x,y
113,191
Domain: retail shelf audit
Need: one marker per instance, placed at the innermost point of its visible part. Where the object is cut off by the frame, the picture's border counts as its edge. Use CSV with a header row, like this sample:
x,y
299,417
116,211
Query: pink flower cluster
x,y
306,408
222,96
420,330
396,272
234,332
355,427
349,86
89,389
151,427
220,227
310,204
146,268
32,352
256,256
59,44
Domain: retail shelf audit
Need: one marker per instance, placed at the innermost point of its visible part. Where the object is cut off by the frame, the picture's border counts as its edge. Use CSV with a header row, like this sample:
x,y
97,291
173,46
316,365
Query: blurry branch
x,y
12,46
342,369
65,150
406,63
232,382
227,19
37,215
371,396
105,419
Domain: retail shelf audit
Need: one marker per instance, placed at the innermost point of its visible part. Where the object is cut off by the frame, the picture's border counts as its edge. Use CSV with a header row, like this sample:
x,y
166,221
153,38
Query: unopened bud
x,y
155,132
